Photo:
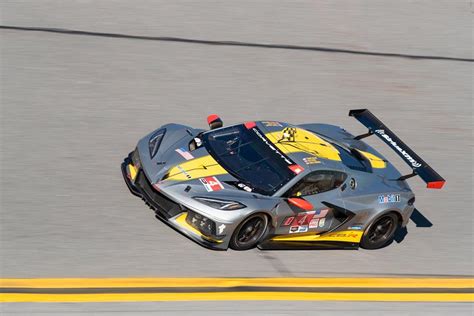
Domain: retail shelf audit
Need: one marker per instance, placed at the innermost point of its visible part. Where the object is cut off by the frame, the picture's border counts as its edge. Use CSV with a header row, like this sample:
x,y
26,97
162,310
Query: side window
x,y
318,182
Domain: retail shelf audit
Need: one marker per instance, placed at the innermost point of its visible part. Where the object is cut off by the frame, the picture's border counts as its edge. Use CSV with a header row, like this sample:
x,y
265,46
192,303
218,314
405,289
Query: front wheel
x,y
250,232
380,232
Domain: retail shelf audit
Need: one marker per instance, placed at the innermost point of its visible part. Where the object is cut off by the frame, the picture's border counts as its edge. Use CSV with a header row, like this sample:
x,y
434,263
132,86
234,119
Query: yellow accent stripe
x,y
239,296
304,141
196,168
376,282
132,170
346,236
376,162
181,221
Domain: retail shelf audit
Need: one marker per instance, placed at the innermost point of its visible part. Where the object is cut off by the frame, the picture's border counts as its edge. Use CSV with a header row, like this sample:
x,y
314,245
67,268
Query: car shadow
x,y
420,221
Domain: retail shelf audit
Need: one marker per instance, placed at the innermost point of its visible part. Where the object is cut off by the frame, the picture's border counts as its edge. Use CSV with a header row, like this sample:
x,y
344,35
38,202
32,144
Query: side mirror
x,y
214,121
301,203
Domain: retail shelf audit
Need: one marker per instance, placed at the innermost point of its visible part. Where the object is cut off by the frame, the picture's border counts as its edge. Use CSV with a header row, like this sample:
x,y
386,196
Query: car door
x,y
320,188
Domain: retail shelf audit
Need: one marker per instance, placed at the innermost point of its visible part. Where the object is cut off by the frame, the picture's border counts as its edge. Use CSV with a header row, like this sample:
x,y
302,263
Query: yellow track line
x,y
67,283
239,296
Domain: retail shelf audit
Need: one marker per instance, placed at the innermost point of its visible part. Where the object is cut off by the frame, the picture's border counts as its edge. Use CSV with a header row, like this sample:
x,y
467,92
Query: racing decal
x,y
184,172
298,229
296,169
303,141
311,160
184,153
289,134
299,223
322,221
211,184
196,168
221,229
389,198
272,147
310,219
288,221
345,236
321,213
244,187
410,159
313,223
272,124
355,227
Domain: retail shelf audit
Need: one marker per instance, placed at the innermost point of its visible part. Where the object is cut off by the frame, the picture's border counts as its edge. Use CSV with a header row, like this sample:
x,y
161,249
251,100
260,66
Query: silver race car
x,y
274,185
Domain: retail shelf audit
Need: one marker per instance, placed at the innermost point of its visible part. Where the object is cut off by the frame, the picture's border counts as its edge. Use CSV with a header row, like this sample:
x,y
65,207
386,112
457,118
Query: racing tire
x,y
380,232
250,232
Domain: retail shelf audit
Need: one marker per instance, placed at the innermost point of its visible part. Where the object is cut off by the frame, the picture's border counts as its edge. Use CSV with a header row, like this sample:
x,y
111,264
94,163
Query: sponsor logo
x,y
311,219
211,184
411,160
244,187
184,153
322,221
184,172
314,223
298,229
356,227
354,235
389,198
311,160
221,229
278,152
272,124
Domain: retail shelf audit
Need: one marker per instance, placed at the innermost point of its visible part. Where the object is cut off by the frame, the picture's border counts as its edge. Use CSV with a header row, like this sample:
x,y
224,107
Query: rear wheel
x,y
250,232
380,232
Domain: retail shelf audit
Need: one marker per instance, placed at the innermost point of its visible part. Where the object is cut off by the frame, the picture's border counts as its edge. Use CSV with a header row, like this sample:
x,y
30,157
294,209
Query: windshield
x,y
250,157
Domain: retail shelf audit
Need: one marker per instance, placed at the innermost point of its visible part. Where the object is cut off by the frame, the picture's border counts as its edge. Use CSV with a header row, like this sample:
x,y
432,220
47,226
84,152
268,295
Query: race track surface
x,y
74,105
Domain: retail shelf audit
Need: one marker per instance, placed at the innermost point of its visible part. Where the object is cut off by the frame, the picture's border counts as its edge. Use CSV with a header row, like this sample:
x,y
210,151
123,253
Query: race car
x,y
274,185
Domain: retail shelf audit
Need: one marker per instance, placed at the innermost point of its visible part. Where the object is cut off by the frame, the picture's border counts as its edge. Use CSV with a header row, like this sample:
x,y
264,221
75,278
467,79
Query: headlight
x,y
155,141
220,204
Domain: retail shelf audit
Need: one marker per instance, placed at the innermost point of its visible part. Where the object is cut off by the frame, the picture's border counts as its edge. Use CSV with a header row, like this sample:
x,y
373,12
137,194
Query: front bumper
x,y
168,211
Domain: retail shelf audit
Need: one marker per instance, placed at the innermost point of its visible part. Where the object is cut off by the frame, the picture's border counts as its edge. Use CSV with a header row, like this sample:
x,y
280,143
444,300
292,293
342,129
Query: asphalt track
x,y
73,105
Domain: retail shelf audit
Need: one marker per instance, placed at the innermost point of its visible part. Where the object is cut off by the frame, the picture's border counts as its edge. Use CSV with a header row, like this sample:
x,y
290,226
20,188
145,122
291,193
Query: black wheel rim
x,y
381,230
251,231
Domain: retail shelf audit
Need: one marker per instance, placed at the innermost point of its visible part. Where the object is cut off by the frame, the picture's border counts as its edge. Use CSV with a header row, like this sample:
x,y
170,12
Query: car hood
x,y
176,168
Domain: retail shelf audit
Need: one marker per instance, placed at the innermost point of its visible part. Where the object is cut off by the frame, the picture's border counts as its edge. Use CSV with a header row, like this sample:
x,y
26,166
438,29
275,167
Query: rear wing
x,y
418,165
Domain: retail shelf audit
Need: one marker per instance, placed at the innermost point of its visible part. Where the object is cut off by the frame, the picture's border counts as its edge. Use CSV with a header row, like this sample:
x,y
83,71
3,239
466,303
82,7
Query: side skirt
x,y
307,245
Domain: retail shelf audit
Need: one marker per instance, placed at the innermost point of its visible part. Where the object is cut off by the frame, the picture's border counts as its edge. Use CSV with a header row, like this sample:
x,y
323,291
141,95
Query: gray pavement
x,y
73,106
241,308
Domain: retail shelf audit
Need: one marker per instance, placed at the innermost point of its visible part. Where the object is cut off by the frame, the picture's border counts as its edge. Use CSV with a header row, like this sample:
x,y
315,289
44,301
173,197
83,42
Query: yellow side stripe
x,y
378,282
345,236
239,296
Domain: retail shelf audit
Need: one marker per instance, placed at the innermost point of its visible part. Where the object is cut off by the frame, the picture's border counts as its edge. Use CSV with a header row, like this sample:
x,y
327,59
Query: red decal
x,y
304,218
288,221
297,169
249,125
211,184
435,184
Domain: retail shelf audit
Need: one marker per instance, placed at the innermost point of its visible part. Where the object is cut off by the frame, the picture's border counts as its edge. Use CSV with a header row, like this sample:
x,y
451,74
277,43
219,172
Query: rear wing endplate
x,y
418,165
